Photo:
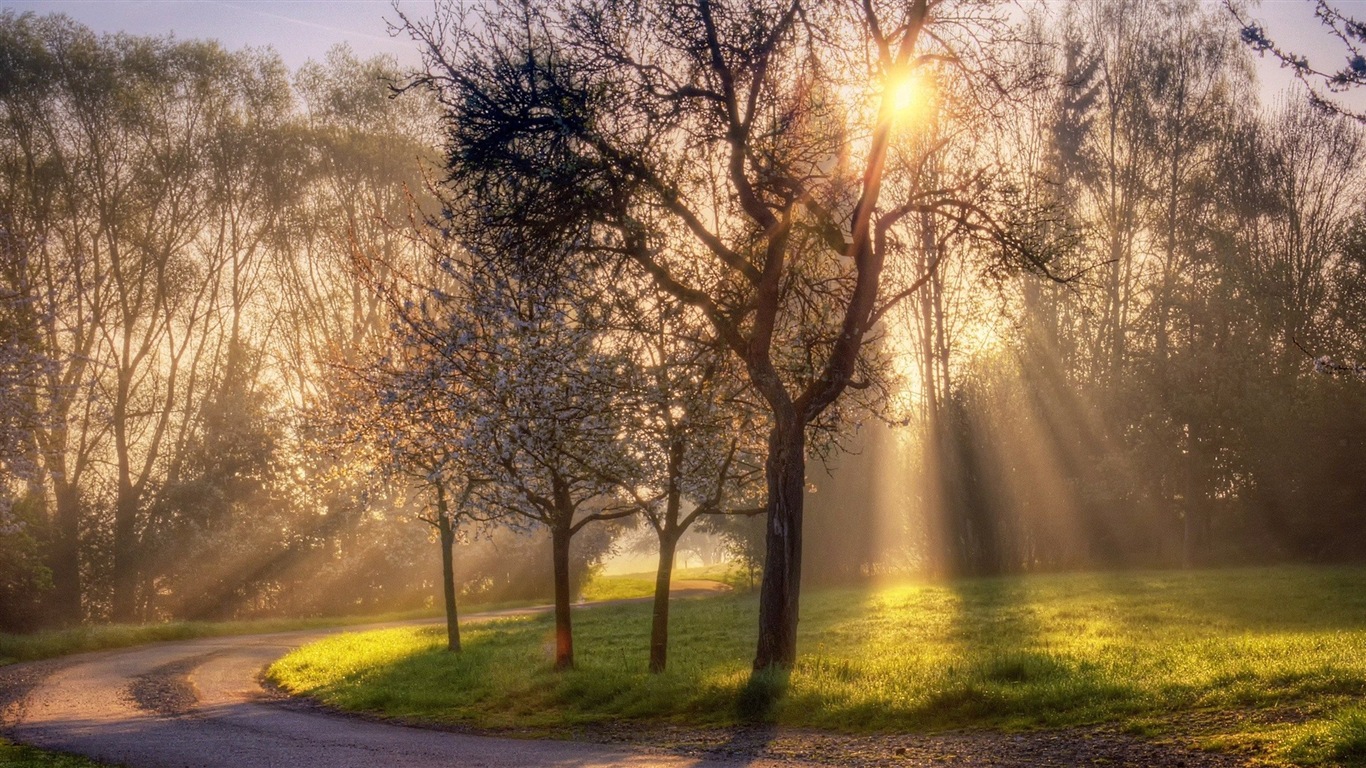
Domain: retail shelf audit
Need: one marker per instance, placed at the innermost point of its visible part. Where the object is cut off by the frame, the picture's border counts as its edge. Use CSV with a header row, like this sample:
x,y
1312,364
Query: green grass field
x,y
1268,662
637,585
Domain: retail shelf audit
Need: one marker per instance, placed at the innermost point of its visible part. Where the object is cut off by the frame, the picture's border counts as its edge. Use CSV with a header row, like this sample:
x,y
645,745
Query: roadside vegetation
x,y
1268,662
60,642
19,756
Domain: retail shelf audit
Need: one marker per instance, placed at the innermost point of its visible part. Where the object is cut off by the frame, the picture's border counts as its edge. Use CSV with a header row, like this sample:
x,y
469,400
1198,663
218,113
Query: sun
x,y
909,97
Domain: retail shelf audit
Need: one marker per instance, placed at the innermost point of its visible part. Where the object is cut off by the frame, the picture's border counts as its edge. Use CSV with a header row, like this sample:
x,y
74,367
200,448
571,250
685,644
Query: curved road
x,y
89,704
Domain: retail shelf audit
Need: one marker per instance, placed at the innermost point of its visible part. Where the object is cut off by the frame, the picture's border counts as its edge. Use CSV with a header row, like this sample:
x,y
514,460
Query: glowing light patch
x,y
910,97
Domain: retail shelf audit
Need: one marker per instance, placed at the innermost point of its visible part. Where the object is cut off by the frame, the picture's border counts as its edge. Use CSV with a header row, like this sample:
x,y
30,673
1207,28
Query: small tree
x,y
522,366
414,419
689,432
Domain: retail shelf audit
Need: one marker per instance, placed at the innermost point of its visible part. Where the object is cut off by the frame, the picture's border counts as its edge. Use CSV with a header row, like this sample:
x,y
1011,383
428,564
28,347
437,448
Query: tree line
x,y
178,224
1047,290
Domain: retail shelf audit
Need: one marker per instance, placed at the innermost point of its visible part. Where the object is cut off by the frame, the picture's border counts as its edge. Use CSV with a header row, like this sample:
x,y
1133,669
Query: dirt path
x,y
200,703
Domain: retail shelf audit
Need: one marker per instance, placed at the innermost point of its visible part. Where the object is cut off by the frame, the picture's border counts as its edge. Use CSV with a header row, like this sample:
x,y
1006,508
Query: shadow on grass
x,y
1296,598
759,698
1004,669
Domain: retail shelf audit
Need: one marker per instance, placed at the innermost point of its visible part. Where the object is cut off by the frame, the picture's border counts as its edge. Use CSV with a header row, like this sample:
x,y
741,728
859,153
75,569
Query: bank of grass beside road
x,y
19,756
60,642
1270,662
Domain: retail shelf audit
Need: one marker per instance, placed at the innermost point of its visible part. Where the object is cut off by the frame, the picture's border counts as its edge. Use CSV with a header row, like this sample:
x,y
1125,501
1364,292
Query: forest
x,y
279,343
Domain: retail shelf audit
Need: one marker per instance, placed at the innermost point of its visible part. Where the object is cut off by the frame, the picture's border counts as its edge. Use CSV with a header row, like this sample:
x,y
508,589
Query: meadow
x,y
98,637
1268,662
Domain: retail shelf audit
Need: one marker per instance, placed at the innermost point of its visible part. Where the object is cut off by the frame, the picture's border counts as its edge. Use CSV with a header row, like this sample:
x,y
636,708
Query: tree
x,y
522,366
412,411
1326,86
737,153
44,202
687,430
24,578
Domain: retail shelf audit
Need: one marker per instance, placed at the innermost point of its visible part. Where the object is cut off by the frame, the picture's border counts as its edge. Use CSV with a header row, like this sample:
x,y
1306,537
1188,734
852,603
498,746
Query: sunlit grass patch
x,y
1143,651
60,642
637,585
1339,739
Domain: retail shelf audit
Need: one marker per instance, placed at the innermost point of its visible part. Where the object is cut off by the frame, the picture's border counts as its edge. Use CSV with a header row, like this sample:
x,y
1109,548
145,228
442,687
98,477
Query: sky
x,y
305,29
298,29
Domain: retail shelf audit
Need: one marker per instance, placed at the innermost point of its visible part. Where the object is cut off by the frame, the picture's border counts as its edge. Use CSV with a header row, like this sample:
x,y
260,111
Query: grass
x,y
61,642
18,756
1269,662
636,585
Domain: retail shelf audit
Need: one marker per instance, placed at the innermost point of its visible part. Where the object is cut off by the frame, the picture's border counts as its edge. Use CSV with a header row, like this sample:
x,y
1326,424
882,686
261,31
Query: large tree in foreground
x,y
740,153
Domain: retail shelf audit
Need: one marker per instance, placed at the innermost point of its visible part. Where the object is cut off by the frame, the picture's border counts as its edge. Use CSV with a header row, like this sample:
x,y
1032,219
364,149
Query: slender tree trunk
x,y
659,625
66,554
124,605
447,529
564,633
781,587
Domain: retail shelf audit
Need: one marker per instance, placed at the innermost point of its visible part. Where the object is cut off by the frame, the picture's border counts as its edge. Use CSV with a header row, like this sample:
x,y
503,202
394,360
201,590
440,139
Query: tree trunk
x,y
124,605
781,587
564,634
659,625
447,529
66,554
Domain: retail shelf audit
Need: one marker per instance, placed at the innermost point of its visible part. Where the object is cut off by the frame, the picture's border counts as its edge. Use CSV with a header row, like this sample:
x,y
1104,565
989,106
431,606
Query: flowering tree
x,y
1326,85
1326,364
412,418
521,366
690,427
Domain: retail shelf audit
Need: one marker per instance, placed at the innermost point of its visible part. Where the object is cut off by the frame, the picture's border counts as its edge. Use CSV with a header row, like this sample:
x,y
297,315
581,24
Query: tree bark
x,y
659,624
781,587
124,606
66,553
564,634
447,530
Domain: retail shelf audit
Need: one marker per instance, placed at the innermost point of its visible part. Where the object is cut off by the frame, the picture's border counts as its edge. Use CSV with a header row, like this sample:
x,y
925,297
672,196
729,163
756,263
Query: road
x,y
112,706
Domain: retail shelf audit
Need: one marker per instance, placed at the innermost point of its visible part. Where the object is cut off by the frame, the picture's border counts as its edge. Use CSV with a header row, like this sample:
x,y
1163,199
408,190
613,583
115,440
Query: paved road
x,y
89,704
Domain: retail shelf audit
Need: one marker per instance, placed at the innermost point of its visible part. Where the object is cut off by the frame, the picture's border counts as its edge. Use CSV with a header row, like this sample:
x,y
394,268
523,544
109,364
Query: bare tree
x,y
757,134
